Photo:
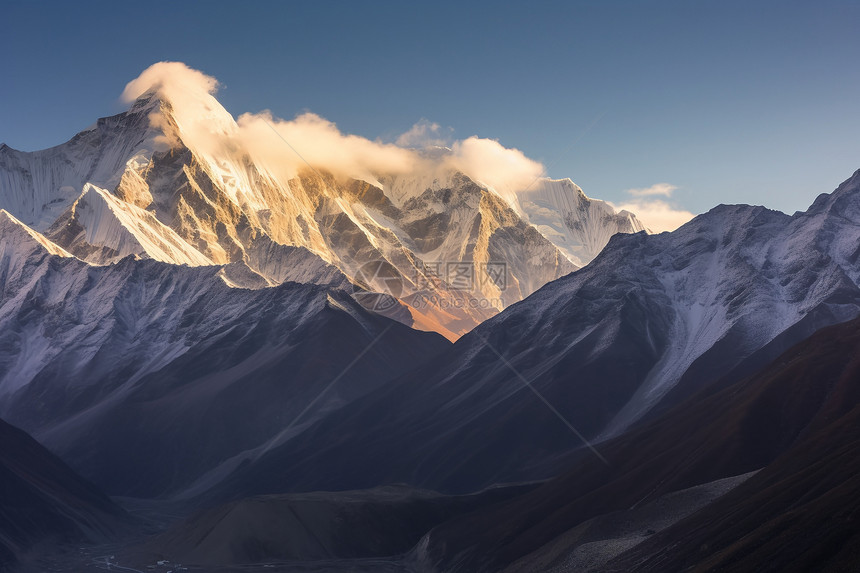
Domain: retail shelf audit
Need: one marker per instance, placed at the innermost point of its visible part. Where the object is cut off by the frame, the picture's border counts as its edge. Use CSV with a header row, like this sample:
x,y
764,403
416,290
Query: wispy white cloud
x,y
487,161
172,78
320,143
205,126
657,214
664,189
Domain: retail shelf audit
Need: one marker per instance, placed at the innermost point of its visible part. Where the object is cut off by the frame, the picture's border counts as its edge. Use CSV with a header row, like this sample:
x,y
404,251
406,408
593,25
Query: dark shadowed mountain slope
x,y
798,418
650,319
800,513
42,501
147,375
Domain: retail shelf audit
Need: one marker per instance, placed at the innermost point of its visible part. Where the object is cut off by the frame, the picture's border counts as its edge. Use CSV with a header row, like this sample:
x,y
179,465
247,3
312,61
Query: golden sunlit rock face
x,y
229,208
177,179
457,231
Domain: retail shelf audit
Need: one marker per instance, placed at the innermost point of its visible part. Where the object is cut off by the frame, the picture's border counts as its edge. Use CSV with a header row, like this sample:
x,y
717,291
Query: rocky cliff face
x,y
146,183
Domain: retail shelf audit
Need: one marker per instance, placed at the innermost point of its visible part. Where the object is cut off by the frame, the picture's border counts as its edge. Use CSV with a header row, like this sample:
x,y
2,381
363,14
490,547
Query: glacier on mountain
x,y
578,225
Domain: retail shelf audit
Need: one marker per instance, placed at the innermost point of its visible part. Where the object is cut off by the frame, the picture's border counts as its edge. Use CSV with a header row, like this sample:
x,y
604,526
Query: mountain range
x,y
118,189
652,320
405,366
204,268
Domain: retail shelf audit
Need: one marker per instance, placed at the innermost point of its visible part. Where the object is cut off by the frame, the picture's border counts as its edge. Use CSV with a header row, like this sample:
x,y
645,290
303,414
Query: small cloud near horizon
x,y
657,214
664,189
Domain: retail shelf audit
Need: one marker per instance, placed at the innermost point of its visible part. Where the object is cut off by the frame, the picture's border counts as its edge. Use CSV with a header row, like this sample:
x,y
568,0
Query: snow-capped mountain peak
x,y
578,225
18,241
99,227
177,179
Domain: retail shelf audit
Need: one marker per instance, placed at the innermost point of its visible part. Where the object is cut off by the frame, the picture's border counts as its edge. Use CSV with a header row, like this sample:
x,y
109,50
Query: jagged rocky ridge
x,y
137,183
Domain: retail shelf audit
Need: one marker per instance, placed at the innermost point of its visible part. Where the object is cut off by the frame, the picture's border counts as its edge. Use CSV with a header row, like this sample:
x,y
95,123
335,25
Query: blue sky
x,y
730,102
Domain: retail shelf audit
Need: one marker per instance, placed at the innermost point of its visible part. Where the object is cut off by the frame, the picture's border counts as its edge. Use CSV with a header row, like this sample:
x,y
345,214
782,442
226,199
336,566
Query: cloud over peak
x,y
506,170
284,147
170,79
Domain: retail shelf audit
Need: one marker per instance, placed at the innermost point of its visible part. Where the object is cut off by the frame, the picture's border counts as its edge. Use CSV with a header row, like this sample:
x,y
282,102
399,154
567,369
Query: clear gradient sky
x,y
731,102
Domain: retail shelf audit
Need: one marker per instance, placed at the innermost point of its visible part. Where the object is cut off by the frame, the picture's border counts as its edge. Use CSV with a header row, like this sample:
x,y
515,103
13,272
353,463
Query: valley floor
x,y
589,547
